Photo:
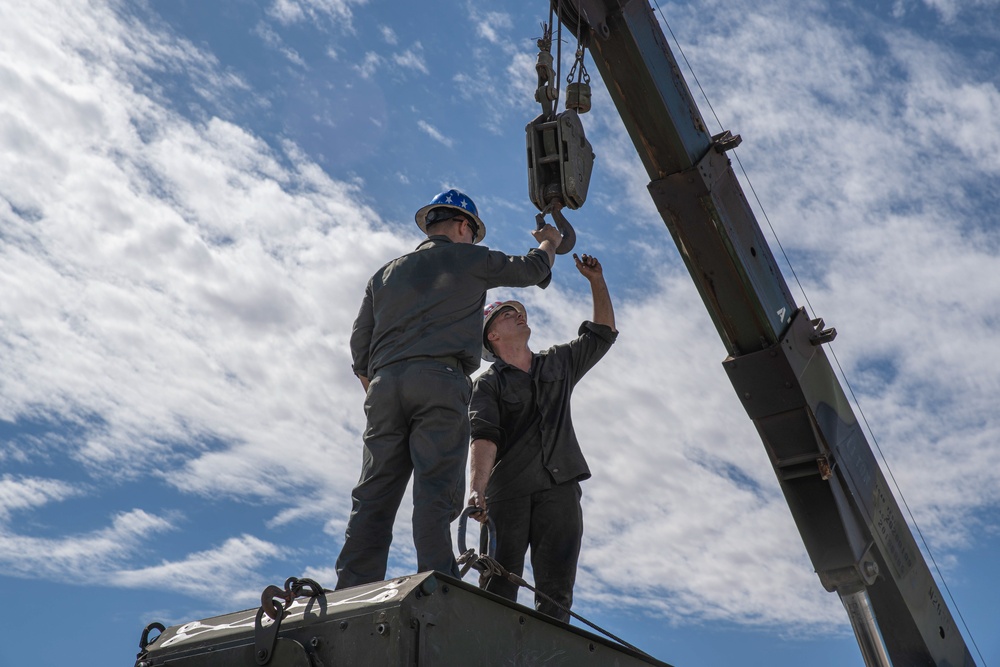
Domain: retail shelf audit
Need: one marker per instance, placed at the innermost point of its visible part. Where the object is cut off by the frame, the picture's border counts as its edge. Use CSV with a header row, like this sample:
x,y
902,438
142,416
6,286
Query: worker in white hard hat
x,y
416,340
527,463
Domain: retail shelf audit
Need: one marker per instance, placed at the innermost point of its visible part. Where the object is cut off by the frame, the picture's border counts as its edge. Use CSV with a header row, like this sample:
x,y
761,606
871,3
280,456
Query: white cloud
x,y
435,134
286,11
166,288
229,572
274,41
389,35
950,10
412,59
510,89
28,493
370,64
488,25
297,11
89,557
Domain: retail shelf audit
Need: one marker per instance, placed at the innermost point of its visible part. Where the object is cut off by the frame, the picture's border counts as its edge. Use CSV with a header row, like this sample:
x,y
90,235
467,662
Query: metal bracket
x,y
821,335
264,638
725,141
825,469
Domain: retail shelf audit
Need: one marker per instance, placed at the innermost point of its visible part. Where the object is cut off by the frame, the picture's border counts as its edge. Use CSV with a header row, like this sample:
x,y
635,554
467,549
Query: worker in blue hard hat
x,y
527,463
416,340
451,204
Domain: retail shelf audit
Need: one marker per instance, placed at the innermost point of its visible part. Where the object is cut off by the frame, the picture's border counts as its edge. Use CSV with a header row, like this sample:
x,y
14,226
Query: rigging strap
x,y
490,567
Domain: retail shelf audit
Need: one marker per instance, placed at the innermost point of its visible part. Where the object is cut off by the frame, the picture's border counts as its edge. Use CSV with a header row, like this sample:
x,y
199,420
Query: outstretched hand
x,y
589,266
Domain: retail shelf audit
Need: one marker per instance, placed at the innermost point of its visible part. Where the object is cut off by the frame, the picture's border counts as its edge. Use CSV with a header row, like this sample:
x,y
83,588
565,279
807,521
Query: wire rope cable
x,y
840,368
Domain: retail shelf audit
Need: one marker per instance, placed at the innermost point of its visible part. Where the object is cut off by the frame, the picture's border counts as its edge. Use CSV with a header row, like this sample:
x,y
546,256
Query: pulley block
x,y
560,160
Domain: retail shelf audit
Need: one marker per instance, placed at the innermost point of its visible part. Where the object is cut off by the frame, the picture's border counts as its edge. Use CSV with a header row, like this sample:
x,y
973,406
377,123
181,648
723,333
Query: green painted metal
x,y
849,520
424,620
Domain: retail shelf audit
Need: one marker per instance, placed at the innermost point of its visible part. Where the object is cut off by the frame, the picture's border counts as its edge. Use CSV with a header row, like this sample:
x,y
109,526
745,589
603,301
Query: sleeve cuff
x,y
600,330
544,282
486,432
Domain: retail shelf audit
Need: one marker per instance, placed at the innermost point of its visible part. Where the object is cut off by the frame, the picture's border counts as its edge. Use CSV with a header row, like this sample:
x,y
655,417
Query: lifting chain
x,y
578,92
578,80
294,588
266,635
581,74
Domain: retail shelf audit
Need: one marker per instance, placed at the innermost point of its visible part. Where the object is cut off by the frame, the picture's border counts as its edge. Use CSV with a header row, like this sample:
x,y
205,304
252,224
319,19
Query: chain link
x,y
294,588
581,75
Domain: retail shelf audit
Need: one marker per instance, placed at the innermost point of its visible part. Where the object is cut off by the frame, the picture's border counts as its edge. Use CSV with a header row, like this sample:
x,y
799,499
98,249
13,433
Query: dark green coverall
x,y
417,338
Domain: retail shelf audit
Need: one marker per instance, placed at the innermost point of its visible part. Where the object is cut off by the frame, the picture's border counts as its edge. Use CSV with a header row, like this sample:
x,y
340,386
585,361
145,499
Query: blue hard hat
x,y
461,203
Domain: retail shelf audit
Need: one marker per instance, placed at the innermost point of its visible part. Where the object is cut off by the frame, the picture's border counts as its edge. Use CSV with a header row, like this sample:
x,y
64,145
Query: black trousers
x,y
551,523
418,423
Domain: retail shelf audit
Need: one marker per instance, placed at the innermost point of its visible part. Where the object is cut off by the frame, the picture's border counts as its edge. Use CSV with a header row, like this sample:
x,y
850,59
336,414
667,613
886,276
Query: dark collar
x,y
501,364
434,240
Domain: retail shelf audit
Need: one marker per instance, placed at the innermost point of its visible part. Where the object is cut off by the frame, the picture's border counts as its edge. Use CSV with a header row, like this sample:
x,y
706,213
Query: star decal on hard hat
x,y
464,203
447,200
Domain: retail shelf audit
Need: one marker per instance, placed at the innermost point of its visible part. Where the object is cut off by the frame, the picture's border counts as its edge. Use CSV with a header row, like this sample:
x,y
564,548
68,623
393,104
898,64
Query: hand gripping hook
x,y
468,557
562,224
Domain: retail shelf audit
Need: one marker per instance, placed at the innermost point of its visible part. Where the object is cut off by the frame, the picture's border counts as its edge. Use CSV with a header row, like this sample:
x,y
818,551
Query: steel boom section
x,y
850,522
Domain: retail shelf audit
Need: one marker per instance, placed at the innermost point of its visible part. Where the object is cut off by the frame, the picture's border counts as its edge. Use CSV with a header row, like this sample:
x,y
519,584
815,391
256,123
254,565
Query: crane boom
x,y
850,522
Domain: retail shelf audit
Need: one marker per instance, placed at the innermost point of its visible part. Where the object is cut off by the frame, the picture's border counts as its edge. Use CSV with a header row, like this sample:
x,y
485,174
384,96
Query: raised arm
x,y
604,312
548,238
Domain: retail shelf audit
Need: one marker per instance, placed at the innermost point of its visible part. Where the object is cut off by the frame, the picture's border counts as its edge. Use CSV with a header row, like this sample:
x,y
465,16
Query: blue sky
x,y
193,194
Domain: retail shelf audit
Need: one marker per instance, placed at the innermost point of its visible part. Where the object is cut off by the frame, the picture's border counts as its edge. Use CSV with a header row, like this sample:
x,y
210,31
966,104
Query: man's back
x,y
428,303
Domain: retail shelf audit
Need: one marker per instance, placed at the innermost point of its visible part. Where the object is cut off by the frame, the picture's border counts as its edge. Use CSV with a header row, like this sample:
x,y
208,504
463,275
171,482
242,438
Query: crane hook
x,y
562,224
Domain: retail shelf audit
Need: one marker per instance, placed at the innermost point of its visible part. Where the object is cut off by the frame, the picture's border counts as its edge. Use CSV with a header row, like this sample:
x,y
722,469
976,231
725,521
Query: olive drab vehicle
x,y
424,619
852,527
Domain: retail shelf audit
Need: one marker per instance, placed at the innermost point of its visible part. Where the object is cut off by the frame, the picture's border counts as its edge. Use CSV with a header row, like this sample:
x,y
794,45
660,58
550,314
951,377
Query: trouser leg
x,y
512,520
439,450
385,472
556,535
